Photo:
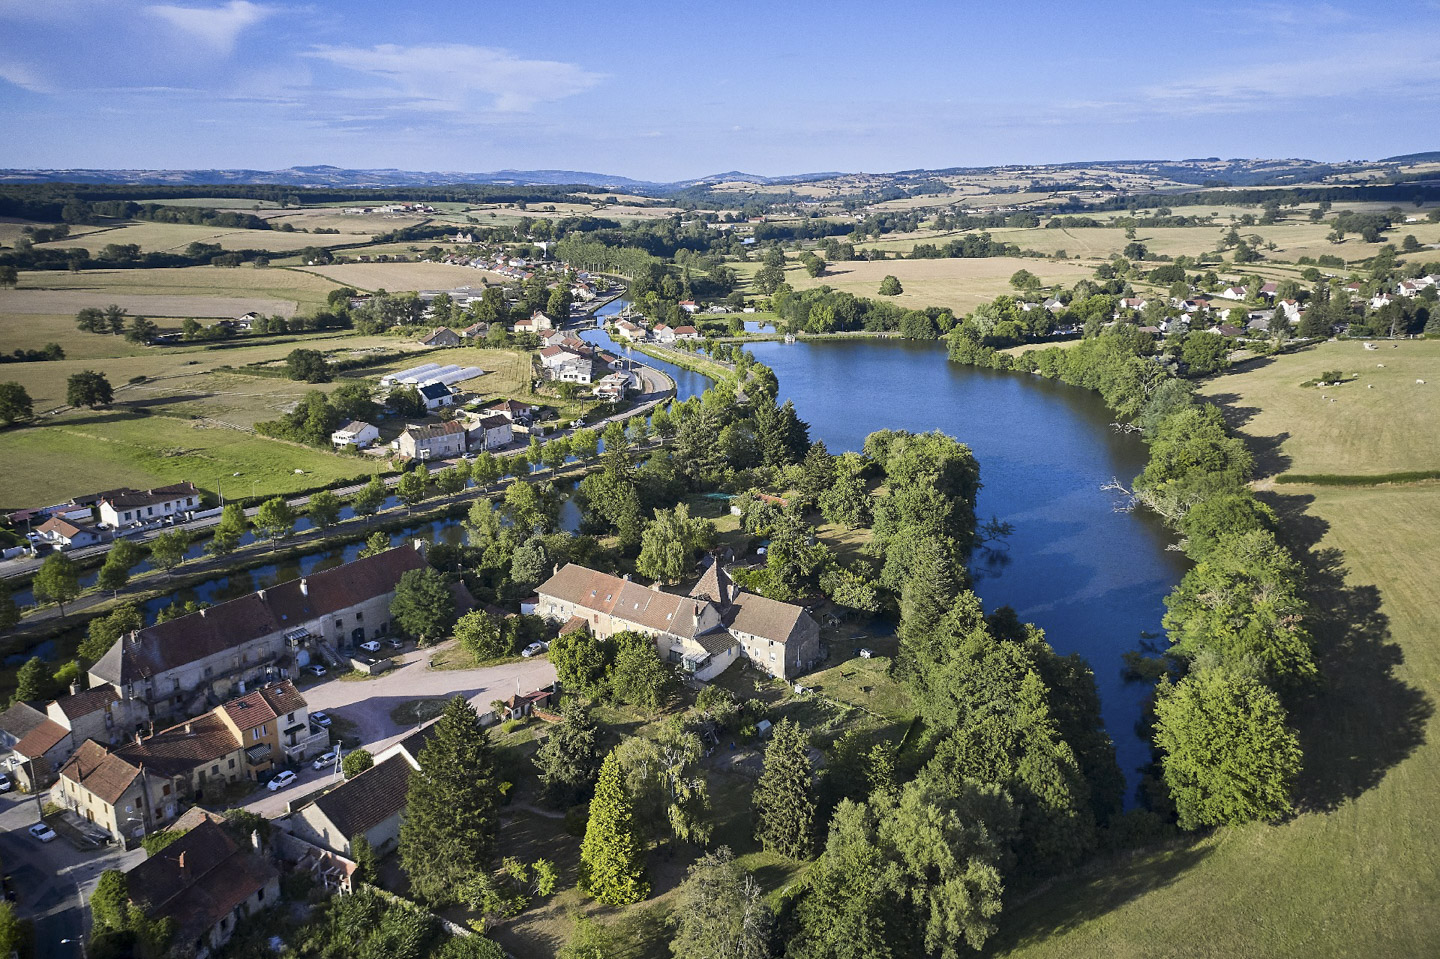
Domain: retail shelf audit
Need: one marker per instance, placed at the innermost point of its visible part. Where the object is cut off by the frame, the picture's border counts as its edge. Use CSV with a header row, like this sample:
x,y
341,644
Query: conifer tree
x,y
784,799
612,859
450,810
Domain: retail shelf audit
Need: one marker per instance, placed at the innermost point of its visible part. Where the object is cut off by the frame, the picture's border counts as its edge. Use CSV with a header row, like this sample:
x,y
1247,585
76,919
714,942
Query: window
x,y
166,790
260,896
290,718
339,624
209,671
175,687
257,732
215,770
232,762
359,617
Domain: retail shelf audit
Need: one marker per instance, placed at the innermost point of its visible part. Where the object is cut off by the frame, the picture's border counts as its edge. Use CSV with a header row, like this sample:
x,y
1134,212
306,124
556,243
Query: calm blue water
x,y
1092,578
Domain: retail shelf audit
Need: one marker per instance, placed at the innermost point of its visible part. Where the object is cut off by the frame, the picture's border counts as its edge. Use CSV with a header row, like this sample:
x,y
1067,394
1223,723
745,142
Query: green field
x,y
1357,872
87,452
1381,422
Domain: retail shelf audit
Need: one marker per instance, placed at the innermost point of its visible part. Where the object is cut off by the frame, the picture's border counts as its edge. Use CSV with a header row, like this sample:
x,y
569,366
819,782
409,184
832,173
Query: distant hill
x,y
1432,156
332,176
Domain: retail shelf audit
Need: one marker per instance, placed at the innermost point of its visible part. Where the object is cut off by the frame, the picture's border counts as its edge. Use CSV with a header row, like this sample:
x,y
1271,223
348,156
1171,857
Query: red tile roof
x,y
101,772
165,646
41,739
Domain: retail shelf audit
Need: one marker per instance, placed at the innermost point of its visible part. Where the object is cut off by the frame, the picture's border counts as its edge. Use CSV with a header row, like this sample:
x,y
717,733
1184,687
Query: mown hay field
x,y
397,277
305,290
957,284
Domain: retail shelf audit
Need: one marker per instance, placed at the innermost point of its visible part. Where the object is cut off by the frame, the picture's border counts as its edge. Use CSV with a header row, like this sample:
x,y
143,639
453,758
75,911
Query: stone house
x,y
435,441
205,883
444,336
702,633
179,667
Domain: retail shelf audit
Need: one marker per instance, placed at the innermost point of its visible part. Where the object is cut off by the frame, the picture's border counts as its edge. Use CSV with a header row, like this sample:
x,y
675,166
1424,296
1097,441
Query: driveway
x,y
367,703
52,879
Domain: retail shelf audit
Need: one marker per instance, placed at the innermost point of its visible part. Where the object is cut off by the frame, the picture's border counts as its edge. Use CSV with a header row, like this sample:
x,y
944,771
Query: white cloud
x,y
449,76
24,77
216,27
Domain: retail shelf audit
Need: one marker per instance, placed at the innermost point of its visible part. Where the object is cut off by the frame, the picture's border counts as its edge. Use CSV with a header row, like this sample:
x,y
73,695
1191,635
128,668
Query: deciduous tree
x,y
423,607
275,520
1229,756
56,581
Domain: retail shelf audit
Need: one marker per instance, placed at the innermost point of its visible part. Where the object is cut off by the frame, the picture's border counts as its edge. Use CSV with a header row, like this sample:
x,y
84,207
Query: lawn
x,y
1357,872
1382,422
87,452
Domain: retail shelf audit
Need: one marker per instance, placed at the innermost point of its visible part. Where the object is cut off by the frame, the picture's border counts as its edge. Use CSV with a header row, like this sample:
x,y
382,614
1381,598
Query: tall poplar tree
x,y
451,813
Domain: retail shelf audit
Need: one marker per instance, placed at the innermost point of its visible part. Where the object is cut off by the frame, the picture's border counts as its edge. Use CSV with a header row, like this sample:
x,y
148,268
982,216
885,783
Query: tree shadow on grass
x,y
1267,450
1360,719
1100,888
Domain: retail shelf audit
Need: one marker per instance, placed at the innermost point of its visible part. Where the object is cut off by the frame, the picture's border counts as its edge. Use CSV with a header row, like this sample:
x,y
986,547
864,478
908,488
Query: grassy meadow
x,y
174,237
1382,421
1357,871
203,284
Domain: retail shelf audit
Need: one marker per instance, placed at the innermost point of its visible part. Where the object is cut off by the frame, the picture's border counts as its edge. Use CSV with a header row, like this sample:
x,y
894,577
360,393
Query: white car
x,y
371,646
6,783
315,669
42,832
320,719
534,649
282,779
324,760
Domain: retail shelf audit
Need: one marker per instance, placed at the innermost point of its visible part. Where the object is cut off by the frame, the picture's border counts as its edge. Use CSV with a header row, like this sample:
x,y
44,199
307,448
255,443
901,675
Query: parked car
x,y
6,784
315,669
282,779
370,646
395,643
325,759
534,649
319,718
42,832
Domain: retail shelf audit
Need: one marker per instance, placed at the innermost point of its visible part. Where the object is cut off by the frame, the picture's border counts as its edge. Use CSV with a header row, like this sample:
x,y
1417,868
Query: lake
x,y
1092,578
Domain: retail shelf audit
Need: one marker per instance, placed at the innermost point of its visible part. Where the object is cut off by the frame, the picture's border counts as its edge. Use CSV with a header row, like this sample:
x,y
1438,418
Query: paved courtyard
x,y
368,703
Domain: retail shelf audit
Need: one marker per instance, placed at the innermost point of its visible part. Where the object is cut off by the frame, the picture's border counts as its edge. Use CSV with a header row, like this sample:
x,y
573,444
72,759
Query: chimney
x,y
419,545
261,594
255,839
304,587
187,727
137,737
202,612
75,688
181,863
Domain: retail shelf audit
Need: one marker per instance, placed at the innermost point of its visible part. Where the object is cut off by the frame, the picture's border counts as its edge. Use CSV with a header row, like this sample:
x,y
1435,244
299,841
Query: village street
x,y
367,703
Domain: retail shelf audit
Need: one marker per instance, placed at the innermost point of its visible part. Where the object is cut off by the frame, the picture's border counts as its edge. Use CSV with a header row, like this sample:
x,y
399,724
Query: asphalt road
x,y
368,703
54,879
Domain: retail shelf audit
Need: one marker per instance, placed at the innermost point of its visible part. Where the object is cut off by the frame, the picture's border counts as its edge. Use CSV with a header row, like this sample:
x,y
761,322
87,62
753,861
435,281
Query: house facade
x,y
68,535
355,433
174,668
702,633
435,441
444,336
437,396
138,787
128,507
488,432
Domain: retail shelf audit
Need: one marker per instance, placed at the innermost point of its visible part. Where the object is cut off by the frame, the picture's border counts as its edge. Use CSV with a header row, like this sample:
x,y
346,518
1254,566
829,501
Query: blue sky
x,y
671,90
